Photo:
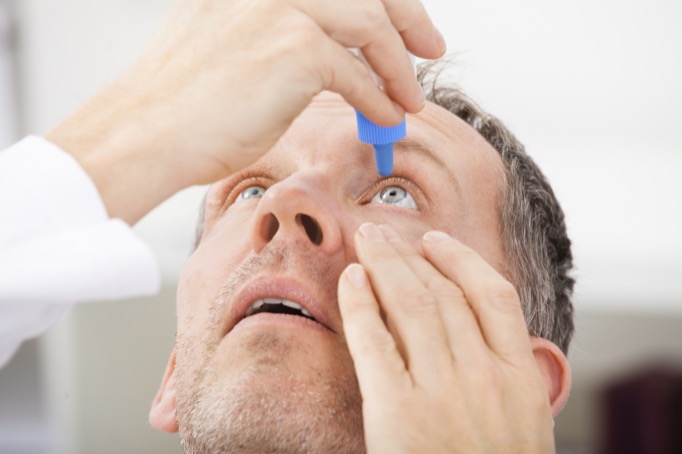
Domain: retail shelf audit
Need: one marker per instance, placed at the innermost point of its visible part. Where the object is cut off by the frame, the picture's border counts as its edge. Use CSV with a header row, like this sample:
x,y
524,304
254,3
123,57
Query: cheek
x,y
480,228
410,225
207,270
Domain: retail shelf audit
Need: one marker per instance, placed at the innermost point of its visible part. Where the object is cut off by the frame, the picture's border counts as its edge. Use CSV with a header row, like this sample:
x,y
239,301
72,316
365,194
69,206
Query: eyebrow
x,y
411,145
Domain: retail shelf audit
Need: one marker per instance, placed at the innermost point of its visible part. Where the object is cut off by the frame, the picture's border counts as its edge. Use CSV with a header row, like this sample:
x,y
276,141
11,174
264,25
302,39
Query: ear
x,y
555,371
162,413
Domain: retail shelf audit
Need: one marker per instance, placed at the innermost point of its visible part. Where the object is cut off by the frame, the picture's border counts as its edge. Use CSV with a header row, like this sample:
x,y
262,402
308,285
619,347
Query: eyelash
x,y
252,178
395,180
247,179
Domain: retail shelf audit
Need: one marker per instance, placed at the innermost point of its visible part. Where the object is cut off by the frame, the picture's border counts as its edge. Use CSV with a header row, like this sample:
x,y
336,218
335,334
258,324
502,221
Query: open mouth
x,y
278,306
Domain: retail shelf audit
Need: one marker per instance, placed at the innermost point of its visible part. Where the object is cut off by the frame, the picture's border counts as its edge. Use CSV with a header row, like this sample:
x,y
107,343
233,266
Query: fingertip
x,y
424,45
439,42
420,100
388,120
436,236
356,276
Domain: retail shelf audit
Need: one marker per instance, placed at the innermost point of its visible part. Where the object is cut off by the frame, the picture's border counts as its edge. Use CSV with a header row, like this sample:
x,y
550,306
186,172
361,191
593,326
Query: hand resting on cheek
x,y
452,369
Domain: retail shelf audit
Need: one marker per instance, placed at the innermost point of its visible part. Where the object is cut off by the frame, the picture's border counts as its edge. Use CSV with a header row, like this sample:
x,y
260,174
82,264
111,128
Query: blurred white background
x,y
591,87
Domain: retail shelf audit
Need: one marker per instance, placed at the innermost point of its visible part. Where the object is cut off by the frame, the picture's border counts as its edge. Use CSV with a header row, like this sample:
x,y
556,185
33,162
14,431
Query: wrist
x,y
124,151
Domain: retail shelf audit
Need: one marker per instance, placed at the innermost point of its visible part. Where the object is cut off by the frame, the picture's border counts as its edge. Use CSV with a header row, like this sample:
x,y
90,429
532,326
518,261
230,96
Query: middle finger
x,y
411,310
461,327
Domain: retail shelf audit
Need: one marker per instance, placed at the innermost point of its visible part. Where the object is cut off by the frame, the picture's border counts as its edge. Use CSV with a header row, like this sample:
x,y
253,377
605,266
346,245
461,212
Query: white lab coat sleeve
x,y
58,245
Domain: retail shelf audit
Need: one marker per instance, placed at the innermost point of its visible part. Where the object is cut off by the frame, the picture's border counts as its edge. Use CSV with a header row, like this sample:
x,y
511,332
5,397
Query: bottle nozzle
x,y
382,138
383,155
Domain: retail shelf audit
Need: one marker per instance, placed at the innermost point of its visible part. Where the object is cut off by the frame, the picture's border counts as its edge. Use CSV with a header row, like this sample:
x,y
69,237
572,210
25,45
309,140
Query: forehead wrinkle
x,y
412,146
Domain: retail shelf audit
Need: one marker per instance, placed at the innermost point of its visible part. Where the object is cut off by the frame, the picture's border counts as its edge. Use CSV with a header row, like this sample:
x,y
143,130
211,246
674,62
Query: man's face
x,y
282,230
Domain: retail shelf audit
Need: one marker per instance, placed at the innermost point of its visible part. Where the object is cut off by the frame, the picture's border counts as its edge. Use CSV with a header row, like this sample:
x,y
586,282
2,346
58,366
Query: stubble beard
x,y
267,408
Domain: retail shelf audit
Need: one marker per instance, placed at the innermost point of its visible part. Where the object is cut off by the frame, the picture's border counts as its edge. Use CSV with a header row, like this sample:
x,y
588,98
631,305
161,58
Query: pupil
x,y
252,192
393,194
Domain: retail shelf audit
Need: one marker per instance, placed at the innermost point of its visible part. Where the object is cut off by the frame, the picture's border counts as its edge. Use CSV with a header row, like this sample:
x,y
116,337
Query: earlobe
x,y
162,413
555,370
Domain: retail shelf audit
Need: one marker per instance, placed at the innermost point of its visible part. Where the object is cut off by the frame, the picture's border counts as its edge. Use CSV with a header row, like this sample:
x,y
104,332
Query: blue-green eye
x,y
395,195
252,192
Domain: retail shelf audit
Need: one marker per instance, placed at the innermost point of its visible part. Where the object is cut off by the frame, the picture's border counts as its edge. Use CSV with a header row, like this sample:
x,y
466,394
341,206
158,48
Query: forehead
x,y
328,125
457,170
325,135
438,143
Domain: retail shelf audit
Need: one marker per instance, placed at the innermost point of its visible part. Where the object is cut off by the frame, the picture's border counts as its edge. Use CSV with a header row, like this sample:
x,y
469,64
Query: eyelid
x,y
393,180
243,182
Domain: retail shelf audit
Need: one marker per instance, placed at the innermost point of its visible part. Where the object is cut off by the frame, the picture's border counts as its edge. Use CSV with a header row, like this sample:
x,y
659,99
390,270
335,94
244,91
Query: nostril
x,y
312,228
269,227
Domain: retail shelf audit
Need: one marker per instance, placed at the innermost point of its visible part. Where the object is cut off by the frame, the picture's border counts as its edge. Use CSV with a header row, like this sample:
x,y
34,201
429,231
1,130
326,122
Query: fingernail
x,y
436,237
355,274
440,41
389,233
371,232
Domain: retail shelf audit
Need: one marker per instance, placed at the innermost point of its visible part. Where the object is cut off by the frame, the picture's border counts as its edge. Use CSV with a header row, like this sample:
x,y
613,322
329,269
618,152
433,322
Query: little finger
x,y
492,298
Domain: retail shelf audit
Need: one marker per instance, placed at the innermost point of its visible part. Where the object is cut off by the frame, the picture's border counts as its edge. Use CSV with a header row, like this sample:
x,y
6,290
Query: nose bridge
x,y
300,207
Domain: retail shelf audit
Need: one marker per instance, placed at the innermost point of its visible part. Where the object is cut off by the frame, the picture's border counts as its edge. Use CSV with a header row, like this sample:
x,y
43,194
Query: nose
x,y
299,208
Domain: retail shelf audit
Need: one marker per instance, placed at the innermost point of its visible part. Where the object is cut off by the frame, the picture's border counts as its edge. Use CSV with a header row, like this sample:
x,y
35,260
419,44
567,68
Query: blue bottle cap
x,y
382,138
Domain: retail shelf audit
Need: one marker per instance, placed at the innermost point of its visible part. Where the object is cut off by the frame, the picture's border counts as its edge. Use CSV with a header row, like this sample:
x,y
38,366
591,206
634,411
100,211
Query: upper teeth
x,y
259,303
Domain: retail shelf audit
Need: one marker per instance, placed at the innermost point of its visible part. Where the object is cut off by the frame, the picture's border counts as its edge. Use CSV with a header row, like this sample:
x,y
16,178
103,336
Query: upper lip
x,y
289,289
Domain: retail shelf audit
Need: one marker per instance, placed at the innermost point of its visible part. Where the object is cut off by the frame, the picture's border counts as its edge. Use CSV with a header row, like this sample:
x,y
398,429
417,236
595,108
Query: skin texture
x,y
418,348
430,330
221,81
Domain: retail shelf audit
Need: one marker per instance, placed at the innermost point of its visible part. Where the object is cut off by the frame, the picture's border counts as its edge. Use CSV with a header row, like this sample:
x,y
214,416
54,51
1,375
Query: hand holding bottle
x,y
221,82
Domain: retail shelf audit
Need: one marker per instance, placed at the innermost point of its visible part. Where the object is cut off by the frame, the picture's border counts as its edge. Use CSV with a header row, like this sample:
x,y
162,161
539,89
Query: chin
x,y
272,394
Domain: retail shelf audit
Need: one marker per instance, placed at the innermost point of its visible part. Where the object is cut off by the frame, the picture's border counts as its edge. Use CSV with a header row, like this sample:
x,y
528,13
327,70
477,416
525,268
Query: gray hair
x,y
536,246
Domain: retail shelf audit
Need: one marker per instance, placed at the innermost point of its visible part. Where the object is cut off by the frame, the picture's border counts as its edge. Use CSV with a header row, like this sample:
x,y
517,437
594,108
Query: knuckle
x,y
374,340
445,289
420,300
380,253
301,31
304,34
374,15
408,13
351,308
467,255
349,77
408,252
504,293
358,70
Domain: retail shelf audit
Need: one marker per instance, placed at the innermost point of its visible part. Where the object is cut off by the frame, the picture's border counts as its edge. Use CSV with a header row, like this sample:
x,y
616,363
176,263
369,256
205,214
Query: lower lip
x,y
278,321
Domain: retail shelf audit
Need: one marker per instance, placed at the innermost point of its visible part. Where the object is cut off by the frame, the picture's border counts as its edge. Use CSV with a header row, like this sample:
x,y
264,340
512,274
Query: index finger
x,y
366,25
492,298
413,30
413,23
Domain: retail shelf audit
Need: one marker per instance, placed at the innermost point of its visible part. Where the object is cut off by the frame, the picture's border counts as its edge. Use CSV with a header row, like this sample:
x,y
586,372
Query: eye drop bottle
x,y
380,137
